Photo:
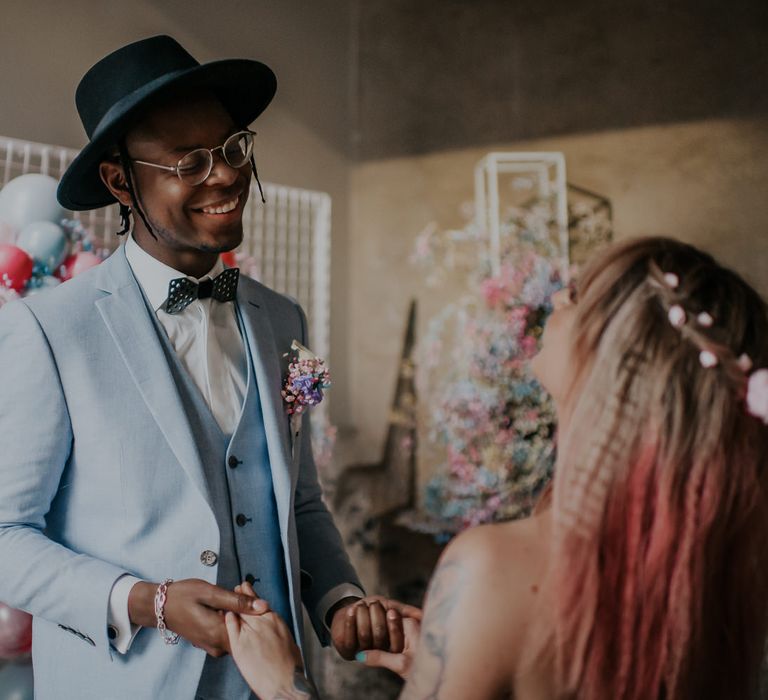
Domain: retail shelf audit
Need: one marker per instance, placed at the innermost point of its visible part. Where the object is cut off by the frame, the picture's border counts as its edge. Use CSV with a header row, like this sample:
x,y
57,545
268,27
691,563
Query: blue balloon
x,y
16,682
40,284
30,198
45,242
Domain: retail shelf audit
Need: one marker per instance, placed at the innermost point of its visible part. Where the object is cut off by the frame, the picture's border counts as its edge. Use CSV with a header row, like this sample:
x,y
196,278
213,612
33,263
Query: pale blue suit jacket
x,y
100,475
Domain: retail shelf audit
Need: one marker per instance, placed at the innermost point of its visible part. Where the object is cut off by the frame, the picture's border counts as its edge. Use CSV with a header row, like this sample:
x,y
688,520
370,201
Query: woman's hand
x,y
399,663
267,656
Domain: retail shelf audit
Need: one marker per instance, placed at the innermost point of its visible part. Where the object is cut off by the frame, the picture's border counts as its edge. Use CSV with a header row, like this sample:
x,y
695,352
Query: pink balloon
x,y
15,633
15,267
77,263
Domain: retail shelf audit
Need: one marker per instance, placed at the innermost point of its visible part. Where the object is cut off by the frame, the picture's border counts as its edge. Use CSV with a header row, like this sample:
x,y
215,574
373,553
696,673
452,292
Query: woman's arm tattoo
x,y
429,673
302,689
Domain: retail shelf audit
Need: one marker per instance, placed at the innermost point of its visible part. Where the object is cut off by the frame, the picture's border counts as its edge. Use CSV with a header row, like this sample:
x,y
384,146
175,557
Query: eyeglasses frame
x,y
176,168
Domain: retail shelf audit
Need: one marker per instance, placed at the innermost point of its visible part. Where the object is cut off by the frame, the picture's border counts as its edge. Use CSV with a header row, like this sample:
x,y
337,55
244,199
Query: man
x,y
147,466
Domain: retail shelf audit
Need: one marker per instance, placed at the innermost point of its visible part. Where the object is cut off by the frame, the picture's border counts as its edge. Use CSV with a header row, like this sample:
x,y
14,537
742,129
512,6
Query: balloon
x,y
15,633
30,198
16,682
228,258
45,242
7,295
77,263
15,267
41,284
7,233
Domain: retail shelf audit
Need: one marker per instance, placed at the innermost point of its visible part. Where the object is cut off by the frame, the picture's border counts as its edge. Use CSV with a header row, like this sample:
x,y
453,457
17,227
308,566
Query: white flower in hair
x,y
707,358
757,395
671,280
705,319
676,315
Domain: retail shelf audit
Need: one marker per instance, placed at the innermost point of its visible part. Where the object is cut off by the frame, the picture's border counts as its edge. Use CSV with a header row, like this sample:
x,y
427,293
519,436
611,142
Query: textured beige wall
x,y
703,182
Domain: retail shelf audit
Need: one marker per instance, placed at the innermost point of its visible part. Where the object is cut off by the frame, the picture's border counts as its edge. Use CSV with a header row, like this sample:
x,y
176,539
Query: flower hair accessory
x,y
307,378
756,394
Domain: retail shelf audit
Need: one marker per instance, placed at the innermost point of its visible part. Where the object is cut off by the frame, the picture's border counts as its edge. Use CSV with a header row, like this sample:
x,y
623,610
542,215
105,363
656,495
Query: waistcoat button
x,y
233,461
241,520
209,558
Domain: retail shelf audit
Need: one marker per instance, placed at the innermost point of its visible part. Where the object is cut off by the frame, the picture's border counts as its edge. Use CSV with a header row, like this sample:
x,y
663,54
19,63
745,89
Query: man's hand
x,y
373,622
194,609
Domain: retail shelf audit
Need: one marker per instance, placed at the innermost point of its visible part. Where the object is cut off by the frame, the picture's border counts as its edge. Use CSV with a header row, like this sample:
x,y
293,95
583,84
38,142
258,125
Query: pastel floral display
x,y
490,426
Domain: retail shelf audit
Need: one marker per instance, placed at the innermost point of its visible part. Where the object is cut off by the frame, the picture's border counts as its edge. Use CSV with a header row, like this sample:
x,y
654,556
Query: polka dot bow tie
x,y
182,291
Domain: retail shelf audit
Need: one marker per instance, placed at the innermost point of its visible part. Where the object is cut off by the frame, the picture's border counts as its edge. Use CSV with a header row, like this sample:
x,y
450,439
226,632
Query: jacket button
x,y
241,520
233,461
251,578
209,558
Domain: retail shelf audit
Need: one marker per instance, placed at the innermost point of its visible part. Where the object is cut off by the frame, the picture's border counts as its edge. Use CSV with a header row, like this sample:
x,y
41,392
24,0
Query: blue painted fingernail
x,y
360,656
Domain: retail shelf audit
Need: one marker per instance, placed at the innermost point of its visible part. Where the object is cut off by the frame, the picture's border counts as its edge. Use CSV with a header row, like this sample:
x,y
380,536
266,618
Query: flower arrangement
x,y
306,380
490,424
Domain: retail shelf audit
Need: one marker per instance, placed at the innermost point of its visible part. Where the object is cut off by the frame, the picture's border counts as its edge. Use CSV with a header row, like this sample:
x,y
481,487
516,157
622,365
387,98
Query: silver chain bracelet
x,y
160,597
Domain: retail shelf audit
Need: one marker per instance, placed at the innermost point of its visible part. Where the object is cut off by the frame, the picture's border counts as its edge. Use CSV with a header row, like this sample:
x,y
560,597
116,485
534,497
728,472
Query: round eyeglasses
x,y
195,167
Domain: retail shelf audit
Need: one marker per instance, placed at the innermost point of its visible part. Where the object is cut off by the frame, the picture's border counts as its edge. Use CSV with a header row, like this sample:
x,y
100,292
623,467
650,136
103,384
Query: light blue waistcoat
x,y
252,549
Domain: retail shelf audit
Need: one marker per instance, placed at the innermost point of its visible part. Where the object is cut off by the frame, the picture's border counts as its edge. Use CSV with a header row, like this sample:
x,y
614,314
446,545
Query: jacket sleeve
x,y
324,561
37,574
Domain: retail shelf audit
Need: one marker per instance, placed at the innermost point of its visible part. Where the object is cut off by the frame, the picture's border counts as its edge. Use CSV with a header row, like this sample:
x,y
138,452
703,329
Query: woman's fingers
x,y
396,663
396,633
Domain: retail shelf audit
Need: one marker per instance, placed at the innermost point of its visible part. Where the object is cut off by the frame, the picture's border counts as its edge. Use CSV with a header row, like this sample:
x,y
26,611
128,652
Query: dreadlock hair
x,y
125,211
659,569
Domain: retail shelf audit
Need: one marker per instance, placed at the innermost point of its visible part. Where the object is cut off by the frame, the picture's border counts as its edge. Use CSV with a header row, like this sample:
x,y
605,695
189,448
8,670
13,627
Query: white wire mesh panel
x,y
289,237
504,179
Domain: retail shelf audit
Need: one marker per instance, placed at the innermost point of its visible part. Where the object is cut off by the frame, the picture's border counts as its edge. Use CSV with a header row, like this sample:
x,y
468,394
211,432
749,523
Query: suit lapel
x,y
269,375
126,316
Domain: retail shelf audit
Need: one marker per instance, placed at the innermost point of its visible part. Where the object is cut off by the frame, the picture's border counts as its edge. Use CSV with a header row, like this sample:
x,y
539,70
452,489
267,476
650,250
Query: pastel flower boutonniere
x,y
307,379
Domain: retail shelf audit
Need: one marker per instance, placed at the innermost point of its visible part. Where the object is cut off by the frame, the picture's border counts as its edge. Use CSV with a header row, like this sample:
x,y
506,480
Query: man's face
x,y
192,223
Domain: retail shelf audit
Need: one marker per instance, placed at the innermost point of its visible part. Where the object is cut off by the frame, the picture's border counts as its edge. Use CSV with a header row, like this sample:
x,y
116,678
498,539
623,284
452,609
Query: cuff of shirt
x,y
343,590
120,630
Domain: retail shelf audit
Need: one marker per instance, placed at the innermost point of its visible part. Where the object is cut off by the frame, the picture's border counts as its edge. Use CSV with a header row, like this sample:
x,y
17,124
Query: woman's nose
x,y
561,299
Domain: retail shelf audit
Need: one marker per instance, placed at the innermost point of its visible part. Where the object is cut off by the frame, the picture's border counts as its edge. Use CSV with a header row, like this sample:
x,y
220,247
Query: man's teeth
x,y
223,208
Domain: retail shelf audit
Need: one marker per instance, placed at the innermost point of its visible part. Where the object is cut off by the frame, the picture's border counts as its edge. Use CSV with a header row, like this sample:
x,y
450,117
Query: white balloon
x,y
45,242
30,198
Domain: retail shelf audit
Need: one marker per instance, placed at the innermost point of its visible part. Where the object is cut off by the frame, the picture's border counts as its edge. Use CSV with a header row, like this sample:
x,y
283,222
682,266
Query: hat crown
x,y
124,71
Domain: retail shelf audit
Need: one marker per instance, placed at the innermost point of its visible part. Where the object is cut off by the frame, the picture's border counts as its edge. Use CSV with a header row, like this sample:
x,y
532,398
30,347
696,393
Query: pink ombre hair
x,y
660,506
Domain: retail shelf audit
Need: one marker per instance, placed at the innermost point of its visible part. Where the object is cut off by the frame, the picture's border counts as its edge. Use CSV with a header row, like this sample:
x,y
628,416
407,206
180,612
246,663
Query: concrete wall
x,y
703,182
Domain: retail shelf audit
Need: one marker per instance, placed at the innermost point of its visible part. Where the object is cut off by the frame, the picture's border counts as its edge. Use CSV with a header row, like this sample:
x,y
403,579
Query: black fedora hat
x,y
113,91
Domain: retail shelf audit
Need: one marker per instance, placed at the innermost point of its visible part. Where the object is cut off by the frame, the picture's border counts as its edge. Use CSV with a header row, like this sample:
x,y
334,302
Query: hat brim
x,y
245,88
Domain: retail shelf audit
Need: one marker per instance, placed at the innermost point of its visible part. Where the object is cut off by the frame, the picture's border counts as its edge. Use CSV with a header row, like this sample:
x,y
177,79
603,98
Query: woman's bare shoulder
x,y
504,566
518,548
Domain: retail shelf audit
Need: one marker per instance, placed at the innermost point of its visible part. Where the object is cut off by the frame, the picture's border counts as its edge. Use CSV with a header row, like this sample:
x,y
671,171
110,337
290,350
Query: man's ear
x,y
113,177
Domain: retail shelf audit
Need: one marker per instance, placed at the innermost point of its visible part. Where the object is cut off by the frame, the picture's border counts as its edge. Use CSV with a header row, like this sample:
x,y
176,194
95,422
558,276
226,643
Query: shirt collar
x,y
154,276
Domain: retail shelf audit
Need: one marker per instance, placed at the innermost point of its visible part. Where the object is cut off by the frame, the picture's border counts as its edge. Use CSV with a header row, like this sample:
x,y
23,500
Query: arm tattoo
x,y
429,673
302,689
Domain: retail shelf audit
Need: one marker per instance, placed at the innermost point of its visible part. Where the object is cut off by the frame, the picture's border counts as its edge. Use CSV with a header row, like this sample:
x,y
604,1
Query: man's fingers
x,y
364,632
221,599
396,632
383,659
379,631
350,641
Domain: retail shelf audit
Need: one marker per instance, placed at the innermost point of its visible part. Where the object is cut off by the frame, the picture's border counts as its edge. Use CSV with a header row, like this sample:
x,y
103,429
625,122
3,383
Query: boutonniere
x,y
304,384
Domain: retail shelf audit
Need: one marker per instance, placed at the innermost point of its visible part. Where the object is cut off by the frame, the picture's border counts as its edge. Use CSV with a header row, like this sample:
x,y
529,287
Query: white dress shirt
x,y
206,337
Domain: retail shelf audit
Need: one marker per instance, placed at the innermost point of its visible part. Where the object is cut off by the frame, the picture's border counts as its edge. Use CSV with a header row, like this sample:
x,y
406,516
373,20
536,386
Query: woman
x,y
648,575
